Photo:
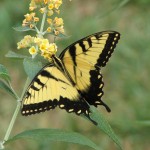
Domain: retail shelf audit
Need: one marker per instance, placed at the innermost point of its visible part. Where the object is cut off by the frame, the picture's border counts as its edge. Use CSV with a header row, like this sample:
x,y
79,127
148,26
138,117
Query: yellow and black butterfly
x,y
73,81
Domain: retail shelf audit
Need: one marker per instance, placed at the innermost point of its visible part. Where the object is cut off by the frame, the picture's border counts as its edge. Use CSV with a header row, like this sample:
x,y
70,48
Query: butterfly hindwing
x,y
83,61
50,88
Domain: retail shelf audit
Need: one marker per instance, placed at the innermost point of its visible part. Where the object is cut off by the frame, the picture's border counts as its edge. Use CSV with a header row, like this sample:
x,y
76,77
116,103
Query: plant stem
x,y
12,121
6,137
11,124
42,24
37,30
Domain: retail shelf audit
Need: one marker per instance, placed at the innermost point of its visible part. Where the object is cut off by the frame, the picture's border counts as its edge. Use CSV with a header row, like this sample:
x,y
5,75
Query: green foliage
x,y
14,55
5,81
4,74
103,125
6,88
55,135
22,29
58,135
144,123
31,67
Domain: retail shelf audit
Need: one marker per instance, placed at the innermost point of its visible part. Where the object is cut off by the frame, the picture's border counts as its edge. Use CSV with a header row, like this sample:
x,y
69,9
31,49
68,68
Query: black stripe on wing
x,y
109,47
110,39
77,104
78,107
95,92
43,73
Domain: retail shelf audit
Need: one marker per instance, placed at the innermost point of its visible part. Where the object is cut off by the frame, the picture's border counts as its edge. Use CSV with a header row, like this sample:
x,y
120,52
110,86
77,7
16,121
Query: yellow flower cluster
x,y
30,20
43,19
56,25
48,7
26,42
38,45
51,4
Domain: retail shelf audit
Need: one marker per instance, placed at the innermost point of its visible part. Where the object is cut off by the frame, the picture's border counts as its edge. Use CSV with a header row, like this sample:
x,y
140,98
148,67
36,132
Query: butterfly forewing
x,y
96,49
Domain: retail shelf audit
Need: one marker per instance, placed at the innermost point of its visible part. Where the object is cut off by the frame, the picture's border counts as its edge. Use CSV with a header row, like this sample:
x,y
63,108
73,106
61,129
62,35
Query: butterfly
x,y
72,81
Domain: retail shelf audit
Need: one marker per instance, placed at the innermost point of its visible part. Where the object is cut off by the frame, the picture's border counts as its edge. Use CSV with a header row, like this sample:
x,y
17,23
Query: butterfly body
x,y
73,81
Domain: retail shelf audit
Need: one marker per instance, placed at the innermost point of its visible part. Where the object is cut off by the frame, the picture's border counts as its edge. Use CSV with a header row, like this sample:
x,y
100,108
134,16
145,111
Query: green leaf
x,y
55,135
4,74
6,88
32,67
12,54
60,35
23,29
143,123
103,125
41,59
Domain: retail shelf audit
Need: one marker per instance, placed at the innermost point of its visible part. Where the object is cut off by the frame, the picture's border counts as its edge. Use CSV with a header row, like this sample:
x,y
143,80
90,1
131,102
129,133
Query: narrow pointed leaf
x,y
55,135
143,123
6,88
31,67
103,125
12,54
22,29
4,74
61,35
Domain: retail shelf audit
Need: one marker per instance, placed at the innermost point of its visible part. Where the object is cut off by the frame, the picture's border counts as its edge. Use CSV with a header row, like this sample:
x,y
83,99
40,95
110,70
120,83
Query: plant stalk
x,y
14,117
42,23
12,122
10,127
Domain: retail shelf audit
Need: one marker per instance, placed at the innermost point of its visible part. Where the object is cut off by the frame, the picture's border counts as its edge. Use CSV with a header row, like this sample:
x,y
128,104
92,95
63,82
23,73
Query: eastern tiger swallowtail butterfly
x,y
73,81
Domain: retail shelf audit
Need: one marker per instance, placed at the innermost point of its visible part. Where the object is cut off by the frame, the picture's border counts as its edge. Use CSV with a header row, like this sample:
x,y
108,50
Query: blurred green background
x,y
126,76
